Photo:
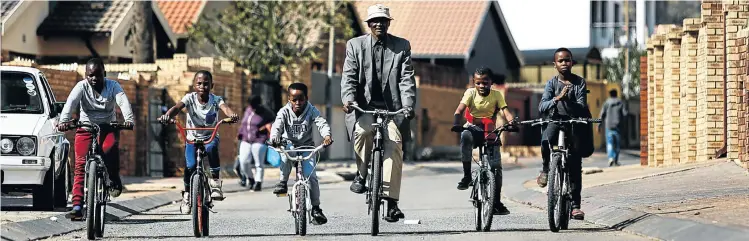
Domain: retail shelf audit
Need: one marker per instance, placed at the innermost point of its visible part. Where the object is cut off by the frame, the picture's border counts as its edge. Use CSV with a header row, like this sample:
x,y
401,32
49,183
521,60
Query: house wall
x,y
30,13
71,46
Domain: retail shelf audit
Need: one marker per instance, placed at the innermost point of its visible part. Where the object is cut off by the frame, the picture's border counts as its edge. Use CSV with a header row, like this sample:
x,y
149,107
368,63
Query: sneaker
x,y
75,214
578,214
216,192
358,185
500,209
611,162
393,213
616,163
250,182
258,187
115,187
184,207
280,188
542,179
464,183
318,218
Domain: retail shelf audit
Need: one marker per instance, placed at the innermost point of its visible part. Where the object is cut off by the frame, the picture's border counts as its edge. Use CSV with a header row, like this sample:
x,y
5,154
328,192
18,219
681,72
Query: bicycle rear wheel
x,y
91,205
554,193
197,199
374,187
301,210
489,186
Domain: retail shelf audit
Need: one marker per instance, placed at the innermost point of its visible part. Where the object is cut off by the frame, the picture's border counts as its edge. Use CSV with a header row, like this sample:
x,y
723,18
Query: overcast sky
x,y
548,24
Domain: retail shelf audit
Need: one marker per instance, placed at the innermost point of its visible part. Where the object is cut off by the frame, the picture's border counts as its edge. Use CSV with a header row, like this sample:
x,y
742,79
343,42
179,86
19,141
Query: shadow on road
x,y
432,232
148,221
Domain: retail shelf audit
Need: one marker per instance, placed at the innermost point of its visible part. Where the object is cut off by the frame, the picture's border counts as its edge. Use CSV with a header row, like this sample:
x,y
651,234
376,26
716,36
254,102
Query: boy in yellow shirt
x,y
484,103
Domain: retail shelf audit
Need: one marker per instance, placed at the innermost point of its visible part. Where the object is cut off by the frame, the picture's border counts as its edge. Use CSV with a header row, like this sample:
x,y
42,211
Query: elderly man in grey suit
x,y
377,74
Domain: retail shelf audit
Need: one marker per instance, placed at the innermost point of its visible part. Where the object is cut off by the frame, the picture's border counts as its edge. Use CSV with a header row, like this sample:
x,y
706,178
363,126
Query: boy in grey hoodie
x,y
294,123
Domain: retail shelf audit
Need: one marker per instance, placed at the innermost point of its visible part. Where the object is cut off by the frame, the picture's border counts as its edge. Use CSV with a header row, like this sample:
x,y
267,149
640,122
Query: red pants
x,y
109,151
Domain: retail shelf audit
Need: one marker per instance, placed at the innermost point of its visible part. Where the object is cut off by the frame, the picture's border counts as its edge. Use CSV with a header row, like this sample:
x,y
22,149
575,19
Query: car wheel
x,y
61,186
43,195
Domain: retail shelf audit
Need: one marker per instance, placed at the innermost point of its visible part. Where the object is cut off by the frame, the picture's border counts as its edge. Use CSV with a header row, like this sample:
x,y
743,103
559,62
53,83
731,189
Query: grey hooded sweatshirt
x,y
298,129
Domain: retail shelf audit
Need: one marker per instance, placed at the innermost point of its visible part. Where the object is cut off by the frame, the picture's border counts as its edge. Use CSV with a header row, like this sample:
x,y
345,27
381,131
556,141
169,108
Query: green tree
x,y
628,79
265,36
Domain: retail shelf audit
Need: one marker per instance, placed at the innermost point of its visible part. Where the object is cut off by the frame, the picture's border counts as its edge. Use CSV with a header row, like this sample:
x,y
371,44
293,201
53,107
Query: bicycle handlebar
x,y
116,125
182,130
312,151
541,121
503,128
378,112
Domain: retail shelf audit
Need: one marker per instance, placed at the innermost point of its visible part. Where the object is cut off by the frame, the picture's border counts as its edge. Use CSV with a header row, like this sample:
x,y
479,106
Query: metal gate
x,y
156,101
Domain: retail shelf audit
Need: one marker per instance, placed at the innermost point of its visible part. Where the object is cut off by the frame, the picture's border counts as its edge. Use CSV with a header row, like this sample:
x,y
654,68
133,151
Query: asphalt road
x,y
429,195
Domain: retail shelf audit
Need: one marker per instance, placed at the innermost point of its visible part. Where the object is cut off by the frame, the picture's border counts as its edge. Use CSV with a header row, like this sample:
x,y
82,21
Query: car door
x,y
49,132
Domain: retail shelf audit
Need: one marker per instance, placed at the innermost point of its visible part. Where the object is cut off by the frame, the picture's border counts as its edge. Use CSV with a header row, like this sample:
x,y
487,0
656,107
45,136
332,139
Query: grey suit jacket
x,y
398,75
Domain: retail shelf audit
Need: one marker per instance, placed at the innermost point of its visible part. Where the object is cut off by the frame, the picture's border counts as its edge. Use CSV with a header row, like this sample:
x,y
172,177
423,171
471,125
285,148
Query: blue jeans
x,y
613,142
307,167
191,161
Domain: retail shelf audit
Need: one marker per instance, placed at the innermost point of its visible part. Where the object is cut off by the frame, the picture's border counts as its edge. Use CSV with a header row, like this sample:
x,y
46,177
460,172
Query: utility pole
x,y
627,77
331,67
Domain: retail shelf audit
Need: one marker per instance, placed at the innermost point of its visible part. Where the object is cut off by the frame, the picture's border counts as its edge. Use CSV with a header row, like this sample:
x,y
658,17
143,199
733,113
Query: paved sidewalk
x,y
699,201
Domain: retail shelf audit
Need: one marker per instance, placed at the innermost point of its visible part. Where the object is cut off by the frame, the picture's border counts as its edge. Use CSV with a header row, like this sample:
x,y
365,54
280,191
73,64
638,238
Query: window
x,y
20,93
616,14
50,95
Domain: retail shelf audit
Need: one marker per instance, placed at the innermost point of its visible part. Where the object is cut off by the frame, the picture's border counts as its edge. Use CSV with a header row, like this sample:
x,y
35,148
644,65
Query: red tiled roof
x,y
180,14
433,28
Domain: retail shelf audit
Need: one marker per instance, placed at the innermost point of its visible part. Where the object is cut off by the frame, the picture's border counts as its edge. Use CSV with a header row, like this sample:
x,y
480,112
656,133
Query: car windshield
x,y
20,93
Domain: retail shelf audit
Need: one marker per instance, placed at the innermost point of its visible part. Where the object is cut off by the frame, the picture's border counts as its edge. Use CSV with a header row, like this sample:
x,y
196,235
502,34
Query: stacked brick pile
x,y
688,91
710,99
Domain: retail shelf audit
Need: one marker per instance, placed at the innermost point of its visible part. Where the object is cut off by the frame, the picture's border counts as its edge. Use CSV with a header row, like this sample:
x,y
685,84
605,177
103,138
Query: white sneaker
x,y
216,192
184,207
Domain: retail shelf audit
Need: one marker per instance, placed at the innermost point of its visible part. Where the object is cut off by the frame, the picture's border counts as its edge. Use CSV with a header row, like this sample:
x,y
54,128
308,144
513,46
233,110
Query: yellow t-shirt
x,y
483,106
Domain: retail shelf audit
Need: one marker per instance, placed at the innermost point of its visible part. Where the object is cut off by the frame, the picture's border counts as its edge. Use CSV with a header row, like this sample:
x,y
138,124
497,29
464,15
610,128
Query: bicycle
x,y
559,194
97,180
299,203
200,193
374,190
483,195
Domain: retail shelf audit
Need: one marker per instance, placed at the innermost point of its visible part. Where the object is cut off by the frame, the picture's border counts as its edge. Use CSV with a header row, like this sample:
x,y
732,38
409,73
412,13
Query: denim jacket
x,y
576,102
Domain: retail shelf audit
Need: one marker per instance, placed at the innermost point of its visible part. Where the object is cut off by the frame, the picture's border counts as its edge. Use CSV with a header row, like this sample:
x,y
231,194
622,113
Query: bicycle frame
x,y
301,179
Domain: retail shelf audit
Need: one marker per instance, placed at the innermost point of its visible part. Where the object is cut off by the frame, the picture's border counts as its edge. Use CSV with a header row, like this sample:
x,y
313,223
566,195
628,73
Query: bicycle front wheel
x,y
197,201
91,205
554,193
101,205
477,203
488,186
375,188
301,209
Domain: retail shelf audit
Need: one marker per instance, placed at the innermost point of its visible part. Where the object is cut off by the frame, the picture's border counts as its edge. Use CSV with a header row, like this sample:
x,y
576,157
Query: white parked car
x,y
33,154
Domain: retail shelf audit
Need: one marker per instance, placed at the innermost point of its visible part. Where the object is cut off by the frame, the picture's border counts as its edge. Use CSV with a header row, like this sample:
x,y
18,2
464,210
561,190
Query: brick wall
x,y
658,110
736,18
671,110
713,55
688,92
644,111
709,110
743,137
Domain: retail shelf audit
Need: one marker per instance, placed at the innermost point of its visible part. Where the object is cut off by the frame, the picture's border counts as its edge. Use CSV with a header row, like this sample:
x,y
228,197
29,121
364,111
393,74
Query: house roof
x,y
180,14
438,29
85,17
6,8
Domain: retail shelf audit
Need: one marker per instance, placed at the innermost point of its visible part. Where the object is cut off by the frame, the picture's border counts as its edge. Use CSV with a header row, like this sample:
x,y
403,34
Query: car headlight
x,y
25,146
6,145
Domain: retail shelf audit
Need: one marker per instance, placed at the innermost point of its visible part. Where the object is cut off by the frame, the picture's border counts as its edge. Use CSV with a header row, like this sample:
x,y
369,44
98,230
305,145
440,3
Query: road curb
x,y
44,228
637,222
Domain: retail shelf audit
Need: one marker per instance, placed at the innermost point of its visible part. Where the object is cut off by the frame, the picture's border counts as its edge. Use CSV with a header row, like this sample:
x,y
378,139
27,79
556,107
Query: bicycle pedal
x,y
211,210
282,195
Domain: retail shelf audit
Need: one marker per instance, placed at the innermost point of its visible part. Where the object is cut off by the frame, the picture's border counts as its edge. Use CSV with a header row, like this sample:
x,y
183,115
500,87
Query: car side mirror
x,y
57,108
